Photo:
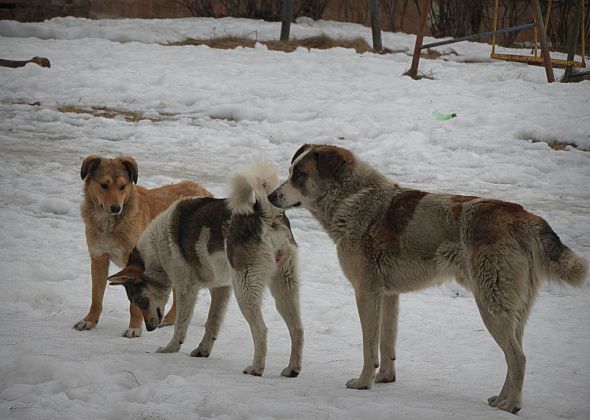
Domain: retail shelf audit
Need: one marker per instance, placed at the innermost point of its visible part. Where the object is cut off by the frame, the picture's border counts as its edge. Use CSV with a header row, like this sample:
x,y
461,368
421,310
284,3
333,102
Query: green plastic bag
x,y
443,117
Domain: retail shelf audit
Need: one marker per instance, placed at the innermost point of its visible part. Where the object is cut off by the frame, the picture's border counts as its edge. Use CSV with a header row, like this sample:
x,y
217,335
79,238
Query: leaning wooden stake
x,y
543,39
413,73
287,16
376,25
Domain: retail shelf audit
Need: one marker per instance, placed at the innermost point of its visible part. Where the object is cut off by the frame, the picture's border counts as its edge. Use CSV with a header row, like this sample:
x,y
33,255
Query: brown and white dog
x,y
392,240
115,212
214,243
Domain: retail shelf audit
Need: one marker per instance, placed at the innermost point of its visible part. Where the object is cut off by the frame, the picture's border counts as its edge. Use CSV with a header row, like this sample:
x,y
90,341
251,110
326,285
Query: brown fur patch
x,y
459,200
493,218
399,213
189,219
300,151
332,161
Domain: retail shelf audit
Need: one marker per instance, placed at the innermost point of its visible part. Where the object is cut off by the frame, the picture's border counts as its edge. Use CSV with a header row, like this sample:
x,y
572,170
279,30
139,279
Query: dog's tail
x,y
559,262
250,186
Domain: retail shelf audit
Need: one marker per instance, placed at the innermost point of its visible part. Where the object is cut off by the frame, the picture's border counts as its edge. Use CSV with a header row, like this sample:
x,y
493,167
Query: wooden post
x,y
543,38
413,73
287,15
572,42
375,9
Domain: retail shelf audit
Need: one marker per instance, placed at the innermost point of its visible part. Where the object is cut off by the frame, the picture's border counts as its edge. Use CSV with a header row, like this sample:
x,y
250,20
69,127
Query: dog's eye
x,y
104,185
297,175
122,187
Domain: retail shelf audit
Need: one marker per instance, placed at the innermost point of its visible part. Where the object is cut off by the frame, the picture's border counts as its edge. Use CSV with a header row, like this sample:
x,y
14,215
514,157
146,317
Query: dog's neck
x,y
353,197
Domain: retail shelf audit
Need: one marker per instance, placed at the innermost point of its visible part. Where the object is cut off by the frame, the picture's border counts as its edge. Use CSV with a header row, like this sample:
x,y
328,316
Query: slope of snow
x,y
208,111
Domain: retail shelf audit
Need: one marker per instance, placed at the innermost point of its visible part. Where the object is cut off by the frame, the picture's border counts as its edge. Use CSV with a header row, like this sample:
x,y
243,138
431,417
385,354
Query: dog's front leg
x,y
135,320
369,307
389,315
219,300
99,269
186,305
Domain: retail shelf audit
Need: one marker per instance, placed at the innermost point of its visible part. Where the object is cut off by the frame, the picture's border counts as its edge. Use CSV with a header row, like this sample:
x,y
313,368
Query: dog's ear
x,y
331,161
89,165
131,274
301,150
131,166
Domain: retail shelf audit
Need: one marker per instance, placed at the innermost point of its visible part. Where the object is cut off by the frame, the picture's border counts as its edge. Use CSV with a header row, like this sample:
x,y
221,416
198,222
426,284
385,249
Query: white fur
x,y
250,184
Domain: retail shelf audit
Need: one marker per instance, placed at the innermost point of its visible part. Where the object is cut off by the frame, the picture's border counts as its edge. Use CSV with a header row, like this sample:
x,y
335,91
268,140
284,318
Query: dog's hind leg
x,y
99,269
187,296
285,291
219,300
389,316
505,331
248,292
369,307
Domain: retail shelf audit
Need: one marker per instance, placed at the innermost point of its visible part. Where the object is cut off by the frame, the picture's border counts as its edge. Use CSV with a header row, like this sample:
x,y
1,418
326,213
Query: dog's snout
x,y
115,209
272,197
152,324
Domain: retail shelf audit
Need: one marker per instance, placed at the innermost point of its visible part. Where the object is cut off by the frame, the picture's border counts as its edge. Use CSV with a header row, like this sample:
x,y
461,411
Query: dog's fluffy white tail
x,y
250,185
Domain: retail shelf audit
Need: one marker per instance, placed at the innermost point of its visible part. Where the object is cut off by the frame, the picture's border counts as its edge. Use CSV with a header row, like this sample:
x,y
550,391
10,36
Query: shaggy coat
x,y
391,240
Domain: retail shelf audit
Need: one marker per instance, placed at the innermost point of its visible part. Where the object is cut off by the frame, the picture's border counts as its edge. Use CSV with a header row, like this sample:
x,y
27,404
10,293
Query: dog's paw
x,y
132,332
290,372
200,351
504,404
168,349
356,383
492,400
84,325
254,371
385,377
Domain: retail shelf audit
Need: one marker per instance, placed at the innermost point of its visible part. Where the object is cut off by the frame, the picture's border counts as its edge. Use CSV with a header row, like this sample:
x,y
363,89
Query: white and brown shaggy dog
x,y
212,243
392,240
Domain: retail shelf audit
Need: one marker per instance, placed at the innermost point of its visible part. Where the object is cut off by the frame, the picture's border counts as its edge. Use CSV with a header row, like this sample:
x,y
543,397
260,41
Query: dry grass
x,y
321,42
560,145
106,112
434,54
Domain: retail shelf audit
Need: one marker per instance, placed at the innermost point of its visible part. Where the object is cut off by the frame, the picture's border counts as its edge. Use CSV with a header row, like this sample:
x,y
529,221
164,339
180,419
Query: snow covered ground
x,y
210,110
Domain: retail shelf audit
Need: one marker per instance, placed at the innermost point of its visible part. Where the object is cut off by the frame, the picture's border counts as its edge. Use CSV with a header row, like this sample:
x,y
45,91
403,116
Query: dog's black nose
x,y
115,208
272,197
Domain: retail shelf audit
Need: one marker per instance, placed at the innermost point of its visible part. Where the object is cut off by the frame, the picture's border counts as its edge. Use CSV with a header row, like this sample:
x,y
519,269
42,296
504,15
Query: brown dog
x,y
116,212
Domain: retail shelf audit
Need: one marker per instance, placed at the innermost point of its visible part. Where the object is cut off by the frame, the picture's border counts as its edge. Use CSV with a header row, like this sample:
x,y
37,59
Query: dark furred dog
x,y
392,240
213,243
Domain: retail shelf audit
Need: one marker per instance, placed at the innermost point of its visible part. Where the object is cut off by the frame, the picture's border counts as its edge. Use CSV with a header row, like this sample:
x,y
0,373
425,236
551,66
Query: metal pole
x,y
572,42
413,73
544,47
287,15
375,10
481,35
